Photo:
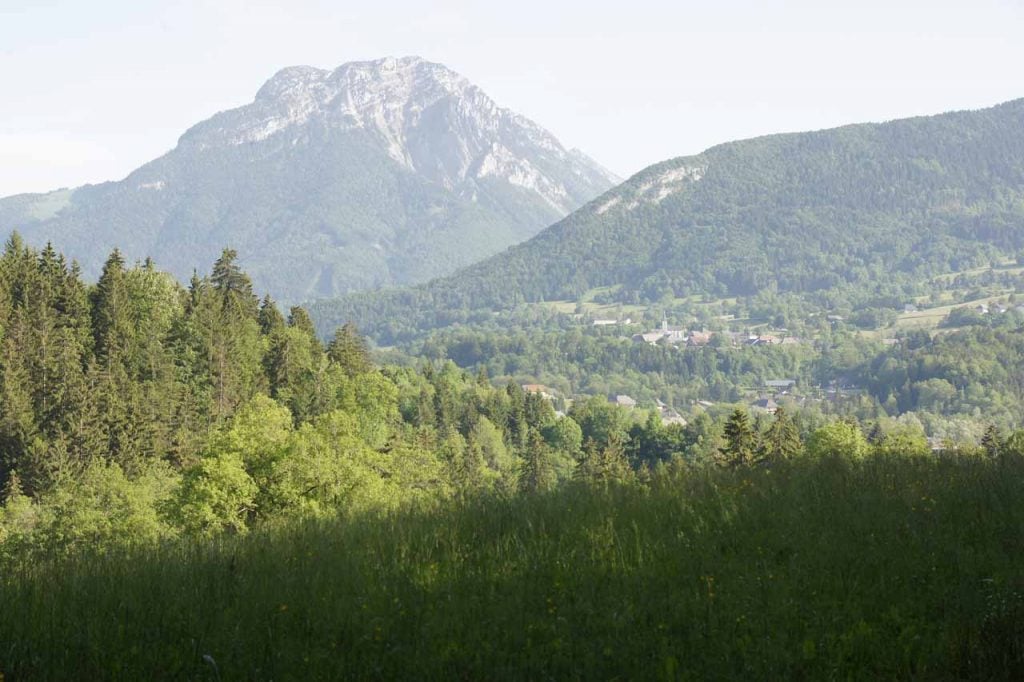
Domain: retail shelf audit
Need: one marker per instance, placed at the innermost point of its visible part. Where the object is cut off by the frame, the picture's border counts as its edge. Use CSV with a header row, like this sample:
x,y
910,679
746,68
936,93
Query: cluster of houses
x,y
998,308
668,415
680,336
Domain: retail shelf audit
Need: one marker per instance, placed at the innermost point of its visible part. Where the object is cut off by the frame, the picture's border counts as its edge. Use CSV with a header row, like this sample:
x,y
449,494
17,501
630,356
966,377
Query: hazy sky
x,y
93,89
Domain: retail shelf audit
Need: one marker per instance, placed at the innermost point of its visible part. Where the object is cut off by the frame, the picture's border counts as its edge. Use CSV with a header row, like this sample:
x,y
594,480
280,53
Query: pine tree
x,y
992,442
298,318
739,440
537,473
517,427
11,488
468,468
111,318
218,340
18,423
348,349
425,416
877,434
605,465
228,279
270,317
781,440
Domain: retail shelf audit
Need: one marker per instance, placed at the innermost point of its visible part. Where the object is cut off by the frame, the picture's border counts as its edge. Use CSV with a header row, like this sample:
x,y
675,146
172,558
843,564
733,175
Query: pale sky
x,y
93,89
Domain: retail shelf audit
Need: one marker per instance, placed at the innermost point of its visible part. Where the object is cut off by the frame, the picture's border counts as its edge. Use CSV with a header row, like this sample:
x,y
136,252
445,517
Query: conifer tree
x,y
781,441
607,464
991,442
877,434
18,422
537,473
270,317
348,349
233,285
11,487
299,319
740,442
425,415
111,318
467,467
220,337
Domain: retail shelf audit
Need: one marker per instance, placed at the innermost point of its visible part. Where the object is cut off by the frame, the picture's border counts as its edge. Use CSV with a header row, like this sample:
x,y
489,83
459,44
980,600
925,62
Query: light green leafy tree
x,y
838,439
216,494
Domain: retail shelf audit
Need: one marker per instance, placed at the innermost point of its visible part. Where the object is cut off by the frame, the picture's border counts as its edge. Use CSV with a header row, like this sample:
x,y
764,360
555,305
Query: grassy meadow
x,y
882,569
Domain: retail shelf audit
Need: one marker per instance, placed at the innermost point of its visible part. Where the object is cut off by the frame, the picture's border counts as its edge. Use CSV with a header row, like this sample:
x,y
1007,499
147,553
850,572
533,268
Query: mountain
x,y
840,215
382,172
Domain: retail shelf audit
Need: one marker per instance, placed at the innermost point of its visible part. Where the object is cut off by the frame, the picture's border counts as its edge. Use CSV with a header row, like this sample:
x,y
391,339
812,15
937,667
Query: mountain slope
x,y
385,172
853,211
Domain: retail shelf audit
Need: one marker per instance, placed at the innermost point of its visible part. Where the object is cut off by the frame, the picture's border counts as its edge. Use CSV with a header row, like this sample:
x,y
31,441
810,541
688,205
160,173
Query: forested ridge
x,y
839,216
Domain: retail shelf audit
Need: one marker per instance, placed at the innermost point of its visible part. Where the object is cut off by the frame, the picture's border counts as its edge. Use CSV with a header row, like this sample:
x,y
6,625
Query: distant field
x,y
887,569
610,310
1006,267
931,317
925,318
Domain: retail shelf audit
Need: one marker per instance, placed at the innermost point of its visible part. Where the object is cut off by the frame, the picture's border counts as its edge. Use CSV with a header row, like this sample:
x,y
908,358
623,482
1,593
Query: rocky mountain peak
x,y
427,117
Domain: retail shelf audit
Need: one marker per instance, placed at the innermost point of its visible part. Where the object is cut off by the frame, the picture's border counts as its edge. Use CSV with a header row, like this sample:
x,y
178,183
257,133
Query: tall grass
x,y
877,570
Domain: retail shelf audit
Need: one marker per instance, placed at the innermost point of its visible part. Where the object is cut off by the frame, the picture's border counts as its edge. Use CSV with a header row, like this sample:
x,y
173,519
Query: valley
x,y
374,378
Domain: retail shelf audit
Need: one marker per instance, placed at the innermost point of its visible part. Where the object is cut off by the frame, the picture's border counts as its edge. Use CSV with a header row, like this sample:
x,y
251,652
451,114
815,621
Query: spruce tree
x,y
11,487
270,317
298,318
348,349
781,441
469,477
605,465
537,473
740,441
992,442
111,320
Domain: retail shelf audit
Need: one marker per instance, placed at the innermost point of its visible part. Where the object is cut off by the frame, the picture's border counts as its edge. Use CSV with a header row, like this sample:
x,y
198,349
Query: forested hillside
x,y
202,409
842,216
247,501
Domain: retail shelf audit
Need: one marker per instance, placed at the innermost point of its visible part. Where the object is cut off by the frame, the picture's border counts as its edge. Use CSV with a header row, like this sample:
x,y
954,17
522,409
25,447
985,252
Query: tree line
x,y
137,409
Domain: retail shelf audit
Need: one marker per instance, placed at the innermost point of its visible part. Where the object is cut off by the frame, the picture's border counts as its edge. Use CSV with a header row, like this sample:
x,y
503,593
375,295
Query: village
x,y
689,338
771,395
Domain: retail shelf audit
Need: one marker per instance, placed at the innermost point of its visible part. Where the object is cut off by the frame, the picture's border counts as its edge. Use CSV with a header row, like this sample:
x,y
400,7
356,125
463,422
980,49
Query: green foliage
x,y
600,421
564,435
538,474
840,439
903,441
101,507
603,465
740,440
885,569
349,350
781,441
216,494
